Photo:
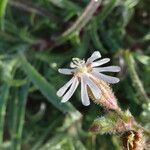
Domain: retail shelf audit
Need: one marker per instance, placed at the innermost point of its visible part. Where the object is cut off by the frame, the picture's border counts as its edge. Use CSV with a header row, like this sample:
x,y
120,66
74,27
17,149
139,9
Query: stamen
x,y
77,62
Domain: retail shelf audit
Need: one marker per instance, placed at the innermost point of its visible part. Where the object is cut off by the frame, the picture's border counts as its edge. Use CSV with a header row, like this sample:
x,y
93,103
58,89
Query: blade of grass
x,y
3,4
43,137
13,122
3,105
108,40
59,141
32,8
78,144
21,105
106,11
84,18
95,37
79,24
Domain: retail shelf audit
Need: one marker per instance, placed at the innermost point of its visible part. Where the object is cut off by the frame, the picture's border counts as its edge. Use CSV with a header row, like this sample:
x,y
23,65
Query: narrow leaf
x,y
22,99
3,104
3,4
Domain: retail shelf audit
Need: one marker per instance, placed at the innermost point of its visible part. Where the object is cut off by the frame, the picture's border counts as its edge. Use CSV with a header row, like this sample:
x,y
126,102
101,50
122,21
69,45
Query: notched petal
x,y
64,88
70,92
108,69
94,88
65,71
106,78
94,56
84,94
100,62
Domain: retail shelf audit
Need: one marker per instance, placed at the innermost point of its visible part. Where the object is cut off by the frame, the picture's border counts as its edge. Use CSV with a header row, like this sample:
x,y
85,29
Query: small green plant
x,y
95,84
38,37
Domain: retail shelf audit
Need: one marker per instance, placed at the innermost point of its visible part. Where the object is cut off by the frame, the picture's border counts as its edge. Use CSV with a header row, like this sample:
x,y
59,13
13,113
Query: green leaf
x,y
19,115
45,134
17,82
144,59
7,67
3,4
60,141
3,104
95,37
106,11
137,83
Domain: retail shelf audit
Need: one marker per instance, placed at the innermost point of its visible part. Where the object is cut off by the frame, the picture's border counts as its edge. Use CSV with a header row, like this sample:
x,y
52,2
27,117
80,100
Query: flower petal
x,y
84,94
63,89
106,78
93,57
70,92
65,71
107,69
100,62
94,88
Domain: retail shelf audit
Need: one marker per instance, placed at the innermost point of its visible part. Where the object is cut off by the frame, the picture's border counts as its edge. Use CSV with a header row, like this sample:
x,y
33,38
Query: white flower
x,y
85,72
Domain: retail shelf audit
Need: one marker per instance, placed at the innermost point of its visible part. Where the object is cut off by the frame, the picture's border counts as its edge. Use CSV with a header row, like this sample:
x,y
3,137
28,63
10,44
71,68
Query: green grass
x,y
38,37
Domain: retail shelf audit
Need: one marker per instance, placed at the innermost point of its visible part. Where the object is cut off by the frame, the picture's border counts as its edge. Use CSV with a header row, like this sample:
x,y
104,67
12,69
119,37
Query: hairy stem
x,y
84,18
135,78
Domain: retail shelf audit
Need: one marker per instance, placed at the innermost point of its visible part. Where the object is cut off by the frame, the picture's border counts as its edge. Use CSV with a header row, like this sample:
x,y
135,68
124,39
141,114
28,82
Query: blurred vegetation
x,y
39,36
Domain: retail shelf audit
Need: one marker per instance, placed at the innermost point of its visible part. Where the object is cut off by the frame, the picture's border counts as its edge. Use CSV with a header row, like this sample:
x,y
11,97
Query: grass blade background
x,y
20,117
3,104
47,90
36,29
3,5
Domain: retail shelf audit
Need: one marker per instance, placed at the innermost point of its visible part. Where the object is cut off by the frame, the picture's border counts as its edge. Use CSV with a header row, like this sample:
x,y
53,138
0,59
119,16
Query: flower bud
x,y
133,140
112,123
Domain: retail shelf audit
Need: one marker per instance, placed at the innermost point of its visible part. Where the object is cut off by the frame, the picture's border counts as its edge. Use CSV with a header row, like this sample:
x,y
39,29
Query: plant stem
x,y
135,78
84,18
3,5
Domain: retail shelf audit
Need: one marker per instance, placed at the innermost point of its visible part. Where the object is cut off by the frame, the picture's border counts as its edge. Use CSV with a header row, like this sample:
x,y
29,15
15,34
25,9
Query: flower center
x,y
82,69
77,62
80,66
